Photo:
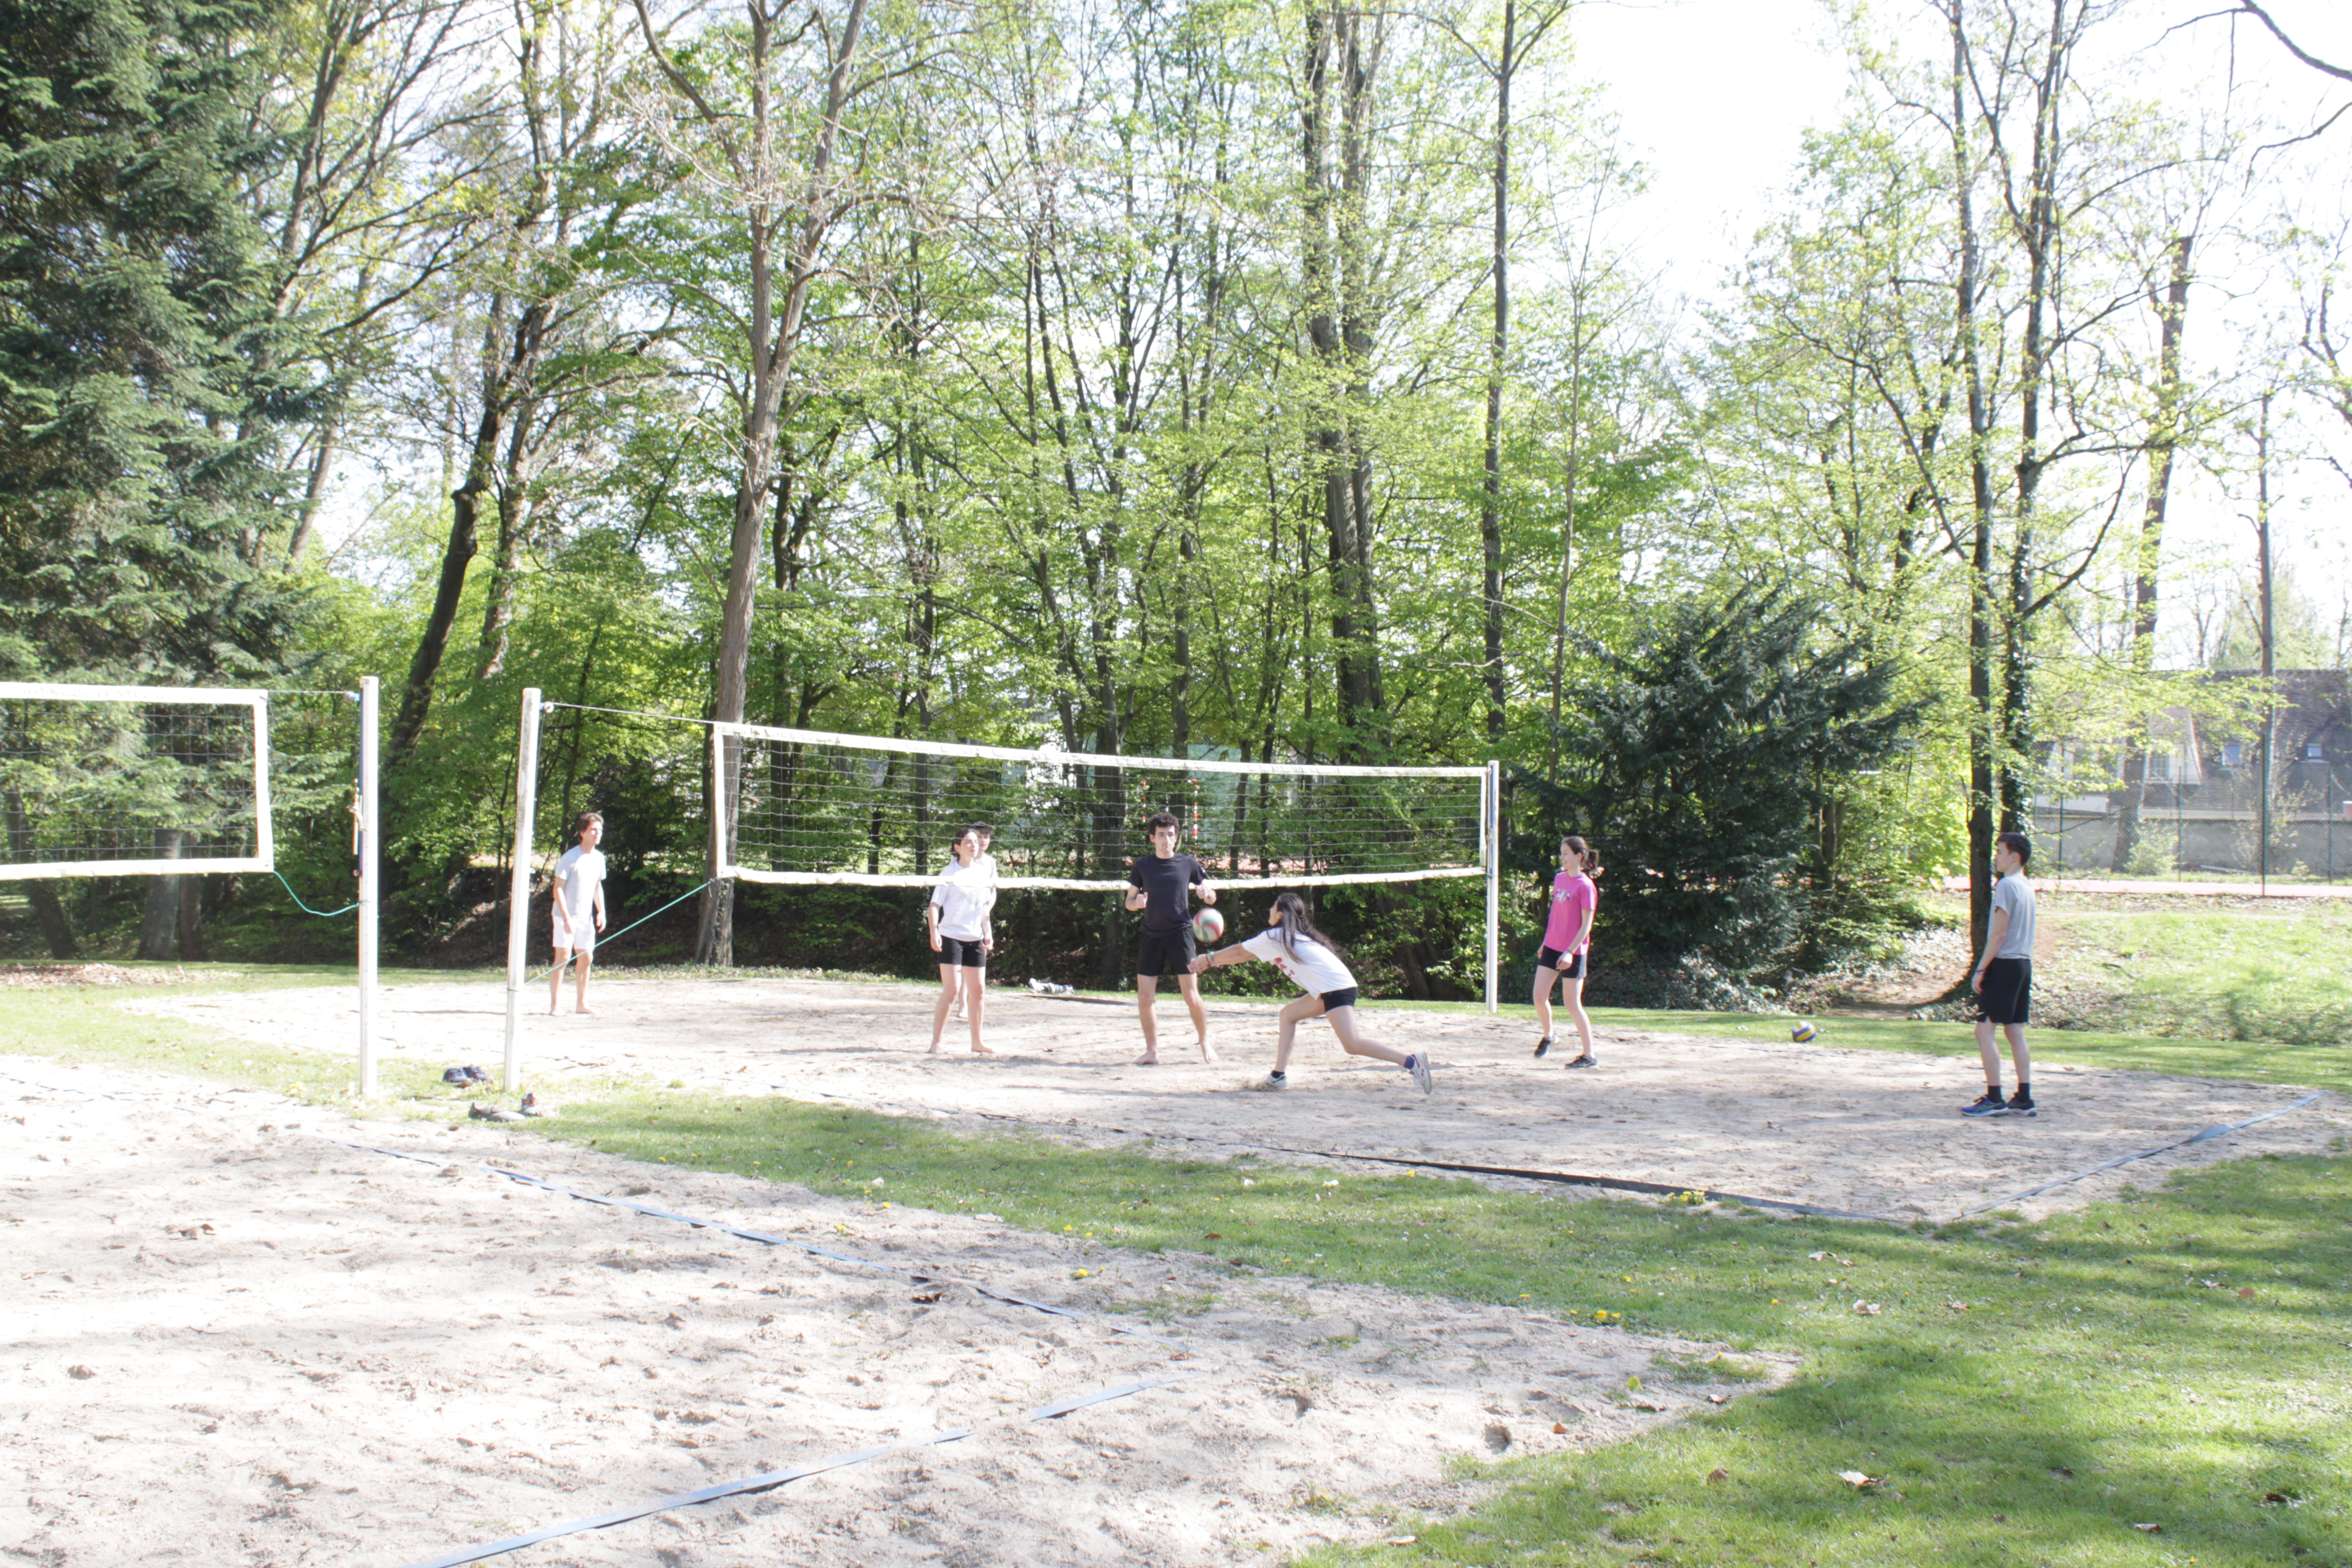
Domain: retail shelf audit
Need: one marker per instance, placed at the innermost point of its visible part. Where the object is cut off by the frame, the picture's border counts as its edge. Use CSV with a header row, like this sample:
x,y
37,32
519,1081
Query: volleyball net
x,y
813,806
113,781
165,780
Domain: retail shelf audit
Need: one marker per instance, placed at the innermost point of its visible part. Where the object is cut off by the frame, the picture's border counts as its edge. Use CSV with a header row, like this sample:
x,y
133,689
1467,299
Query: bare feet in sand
x,y
983,1050
592,1012
1150,1058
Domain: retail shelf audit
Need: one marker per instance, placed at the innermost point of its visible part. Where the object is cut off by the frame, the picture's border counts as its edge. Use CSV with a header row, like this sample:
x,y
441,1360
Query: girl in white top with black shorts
x,y
1292,944
957,916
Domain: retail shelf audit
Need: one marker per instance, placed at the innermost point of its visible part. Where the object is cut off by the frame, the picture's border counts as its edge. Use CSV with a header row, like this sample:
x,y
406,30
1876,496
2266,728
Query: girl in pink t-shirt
x,y
1568,939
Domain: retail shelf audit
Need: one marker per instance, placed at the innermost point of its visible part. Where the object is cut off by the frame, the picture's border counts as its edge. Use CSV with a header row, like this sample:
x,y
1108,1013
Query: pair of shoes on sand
x,y
1543,1048
530,1109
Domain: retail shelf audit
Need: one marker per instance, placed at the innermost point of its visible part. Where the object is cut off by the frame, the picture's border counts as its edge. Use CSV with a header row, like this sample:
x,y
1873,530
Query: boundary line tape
x,y
2216,1131
770,1479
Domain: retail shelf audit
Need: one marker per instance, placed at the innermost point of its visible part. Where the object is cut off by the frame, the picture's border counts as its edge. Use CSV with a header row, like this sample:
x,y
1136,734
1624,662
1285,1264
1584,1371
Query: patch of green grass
x,y
2245,971
88,1024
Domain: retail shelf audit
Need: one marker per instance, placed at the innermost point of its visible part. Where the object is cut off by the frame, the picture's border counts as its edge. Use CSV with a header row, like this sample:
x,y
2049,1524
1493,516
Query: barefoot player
x,y
1292,944
579,912
1161,885
958,920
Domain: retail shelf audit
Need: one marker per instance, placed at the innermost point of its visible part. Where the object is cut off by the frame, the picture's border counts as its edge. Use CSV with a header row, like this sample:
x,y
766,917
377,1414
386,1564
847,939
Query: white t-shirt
x,y
578,877
1315,968
965,894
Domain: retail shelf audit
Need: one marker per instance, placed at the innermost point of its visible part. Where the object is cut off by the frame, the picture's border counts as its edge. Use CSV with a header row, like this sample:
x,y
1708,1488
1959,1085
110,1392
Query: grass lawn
x,y
2245,971
2027,1394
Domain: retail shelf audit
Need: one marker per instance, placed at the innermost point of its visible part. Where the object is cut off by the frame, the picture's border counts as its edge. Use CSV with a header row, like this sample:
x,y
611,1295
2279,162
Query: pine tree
x,y
137,424
1698,758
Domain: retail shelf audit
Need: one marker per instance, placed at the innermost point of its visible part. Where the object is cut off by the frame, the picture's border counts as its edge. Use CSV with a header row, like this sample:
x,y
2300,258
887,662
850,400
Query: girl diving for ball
x,y
1292,944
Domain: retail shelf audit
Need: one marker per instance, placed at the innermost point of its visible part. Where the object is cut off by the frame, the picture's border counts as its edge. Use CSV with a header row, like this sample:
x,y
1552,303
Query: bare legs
x,y
1352,1039
1571,997
580,992
1992,1052
960,981
1147,988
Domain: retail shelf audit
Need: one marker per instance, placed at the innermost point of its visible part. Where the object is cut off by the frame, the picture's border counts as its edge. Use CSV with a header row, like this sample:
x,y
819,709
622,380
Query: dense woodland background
x,y
1259,380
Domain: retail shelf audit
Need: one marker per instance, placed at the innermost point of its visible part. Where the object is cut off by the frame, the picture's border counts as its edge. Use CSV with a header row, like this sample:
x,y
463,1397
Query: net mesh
x,y
818,808
112,785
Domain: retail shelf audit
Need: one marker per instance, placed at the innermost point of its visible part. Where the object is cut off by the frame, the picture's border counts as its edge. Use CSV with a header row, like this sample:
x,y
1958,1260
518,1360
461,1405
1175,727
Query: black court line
x,y
770,1479
2216,1131
1565,1178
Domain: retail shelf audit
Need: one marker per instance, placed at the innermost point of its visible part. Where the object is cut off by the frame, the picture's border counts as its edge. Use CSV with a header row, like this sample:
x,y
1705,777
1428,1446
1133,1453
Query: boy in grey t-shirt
x,y
2004,980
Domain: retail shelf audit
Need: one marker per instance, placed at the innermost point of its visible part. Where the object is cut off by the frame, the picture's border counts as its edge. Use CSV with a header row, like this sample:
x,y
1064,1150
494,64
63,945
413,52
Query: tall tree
x,y
771,166
138,419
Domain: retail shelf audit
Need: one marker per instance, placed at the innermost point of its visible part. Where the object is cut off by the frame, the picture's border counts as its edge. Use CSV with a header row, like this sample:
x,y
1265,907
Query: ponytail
x,y
1587,860
1294,924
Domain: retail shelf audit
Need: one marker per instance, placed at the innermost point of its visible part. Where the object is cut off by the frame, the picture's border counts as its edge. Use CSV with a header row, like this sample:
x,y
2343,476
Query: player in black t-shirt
x,y
1163,882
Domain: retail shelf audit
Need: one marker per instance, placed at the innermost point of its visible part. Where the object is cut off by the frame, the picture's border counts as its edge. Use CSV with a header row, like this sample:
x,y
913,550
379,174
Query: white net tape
x,y
816,808
130,781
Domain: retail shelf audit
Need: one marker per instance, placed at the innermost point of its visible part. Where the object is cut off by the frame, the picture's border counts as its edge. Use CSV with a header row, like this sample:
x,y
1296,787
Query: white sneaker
x,y
1417,1064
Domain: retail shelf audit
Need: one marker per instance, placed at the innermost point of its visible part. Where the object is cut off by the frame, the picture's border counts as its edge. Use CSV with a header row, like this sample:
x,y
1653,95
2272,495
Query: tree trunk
x,y
2171,310
47,908
160,924
190,925
314,492
1490,502
507,364
773,341
514,515
1981,604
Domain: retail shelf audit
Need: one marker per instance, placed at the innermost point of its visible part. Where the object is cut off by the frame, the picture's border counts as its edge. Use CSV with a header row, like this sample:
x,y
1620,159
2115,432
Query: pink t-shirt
x,y
1572,893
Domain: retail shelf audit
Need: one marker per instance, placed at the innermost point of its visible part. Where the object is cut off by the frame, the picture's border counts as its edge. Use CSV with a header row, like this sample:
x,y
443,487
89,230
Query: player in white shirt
x,y
579,912
957,919
1292,944
987,863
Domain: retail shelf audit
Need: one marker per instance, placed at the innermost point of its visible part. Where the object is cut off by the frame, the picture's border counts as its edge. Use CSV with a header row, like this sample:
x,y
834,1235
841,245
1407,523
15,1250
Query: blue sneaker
x,y
1988,1103
2022,1105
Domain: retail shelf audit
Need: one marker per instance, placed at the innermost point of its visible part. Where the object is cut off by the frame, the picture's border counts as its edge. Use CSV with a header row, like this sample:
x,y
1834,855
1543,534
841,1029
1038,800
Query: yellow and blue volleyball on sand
x,y
1802,1030
1208,925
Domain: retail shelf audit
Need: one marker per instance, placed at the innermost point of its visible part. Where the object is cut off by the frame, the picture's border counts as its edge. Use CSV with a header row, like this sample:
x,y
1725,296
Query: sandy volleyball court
x,y
1866,1132
228,1341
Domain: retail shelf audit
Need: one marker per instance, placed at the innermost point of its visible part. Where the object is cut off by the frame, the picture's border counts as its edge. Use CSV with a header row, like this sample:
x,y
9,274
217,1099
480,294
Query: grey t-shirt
x,y
2015,894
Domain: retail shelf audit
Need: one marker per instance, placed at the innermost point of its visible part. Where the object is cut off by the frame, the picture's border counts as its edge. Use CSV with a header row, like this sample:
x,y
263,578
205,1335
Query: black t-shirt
x,y
1167,886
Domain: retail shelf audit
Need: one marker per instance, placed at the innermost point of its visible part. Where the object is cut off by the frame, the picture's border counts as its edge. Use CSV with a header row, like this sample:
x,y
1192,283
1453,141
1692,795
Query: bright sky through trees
x,y
1715,96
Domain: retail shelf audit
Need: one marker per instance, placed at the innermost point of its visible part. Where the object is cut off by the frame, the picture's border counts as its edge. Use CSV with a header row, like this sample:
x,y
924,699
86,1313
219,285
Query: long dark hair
x,y
1587,860
1294,924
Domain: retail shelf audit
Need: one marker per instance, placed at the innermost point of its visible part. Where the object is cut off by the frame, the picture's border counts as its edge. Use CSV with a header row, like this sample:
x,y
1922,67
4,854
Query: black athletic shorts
x,y
1345,998
1164,953
2007,995
1569,965
957,952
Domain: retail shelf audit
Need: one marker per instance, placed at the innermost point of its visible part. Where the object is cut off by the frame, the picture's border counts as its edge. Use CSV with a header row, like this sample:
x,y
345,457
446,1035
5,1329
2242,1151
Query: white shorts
x,y
580,940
